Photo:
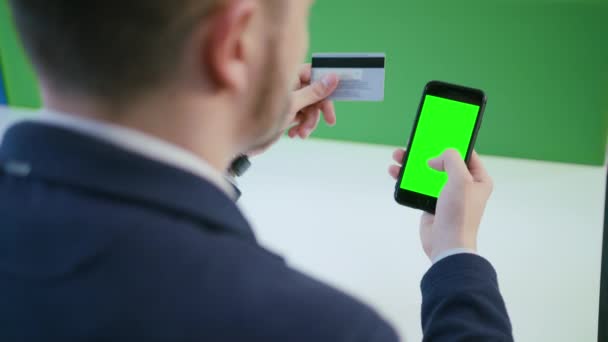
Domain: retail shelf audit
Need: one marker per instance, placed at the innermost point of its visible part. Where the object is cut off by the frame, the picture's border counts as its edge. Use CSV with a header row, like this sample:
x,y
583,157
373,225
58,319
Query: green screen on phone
x,y
443,124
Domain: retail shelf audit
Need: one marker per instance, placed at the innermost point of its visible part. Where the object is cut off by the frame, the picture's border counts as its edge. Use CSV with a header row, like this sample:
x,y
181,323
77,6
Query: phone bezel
x,y
449,91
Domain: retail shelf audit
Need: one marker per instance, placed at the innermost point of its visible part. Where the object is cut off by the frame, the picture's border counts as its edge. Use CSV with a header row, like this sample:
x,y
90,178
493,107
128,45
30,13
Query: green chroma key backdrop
x,y
21,87
543,64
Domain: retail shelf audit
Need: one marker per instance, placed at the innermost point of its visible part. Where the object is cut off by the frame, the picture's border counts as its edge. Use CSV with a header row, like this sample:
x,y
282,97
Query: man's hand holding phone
x,y
460,206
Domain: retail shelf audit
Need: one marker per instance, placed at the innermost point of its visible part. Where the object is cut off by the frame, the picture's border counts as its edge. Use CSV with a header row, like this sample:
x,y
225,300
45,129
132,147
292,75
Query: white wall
x,y
4,117
328,208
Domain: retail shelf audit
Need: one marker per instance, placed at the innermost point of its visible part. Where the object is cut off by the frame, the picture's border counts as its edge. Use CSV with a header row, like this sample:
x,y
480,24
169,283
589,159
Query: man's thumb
x,y
316,92
451,162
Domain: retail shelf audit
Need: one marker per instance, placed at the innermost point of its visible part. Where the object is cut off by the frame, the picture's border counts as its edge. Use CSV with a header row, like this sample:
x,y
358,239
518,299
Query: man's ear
x,y
223,50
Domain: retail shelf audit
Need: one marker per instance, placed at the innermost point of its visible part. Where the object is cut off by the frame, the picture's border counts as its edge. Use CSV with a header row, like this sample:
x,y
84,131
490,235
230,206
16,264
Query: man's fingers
x,y
427,219
394,171
426,233
293,132
305,73
309,121
398,156
309,100
451,162
437,164
316,120
477,169
329,112
316,92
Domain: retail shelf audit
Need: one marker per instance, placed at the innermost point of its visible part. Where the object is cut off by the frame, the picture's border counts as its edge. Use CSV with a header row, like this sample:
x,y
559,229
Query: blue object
x,y
3,99
100,244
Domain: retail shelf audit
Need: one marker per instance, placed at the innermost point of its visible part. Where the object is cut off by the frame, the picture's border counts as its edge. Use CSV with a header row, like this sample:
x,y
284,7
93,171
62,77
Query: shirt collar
x,y
139,143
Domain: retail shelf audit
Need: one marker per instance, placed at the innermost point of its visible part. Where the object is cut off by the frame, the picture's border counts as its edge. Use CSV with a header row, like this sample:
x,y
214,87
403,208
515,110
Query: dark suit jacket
x,y
99,244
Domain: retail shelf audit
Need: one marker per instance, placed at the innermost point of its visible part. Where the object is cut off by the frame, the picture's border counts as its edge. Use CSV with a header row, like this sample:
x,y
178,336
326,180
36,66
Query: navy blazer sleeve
x,y
461,302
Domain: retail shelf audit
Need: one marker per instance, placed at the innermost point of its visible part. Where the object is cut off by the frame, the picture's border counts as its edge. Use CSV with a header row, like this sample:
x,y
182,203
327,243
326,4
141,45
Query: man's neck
x,y
203,134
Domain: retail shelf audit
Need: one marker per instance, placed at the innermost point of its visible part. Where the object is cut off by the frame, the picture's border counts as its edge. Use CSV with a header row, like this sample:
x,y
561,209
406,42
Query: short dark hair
x,y
107,48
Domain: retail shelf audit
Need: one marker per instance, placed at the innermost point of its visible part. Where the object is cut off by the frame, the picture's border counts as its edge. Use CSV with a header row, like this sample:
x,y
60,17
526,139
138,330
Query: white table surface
x,y
328,208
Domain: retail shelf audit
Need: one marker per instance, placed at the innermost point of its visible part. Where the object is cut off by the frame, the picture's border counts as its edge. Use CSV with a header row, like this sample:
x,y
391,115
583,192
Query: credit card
x,y
361,74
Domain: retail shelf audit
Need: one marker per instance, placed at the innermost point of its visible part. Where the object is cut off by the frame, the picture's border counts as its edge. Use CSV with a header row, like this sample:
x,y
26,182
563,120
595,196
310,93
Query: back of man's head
x,y
171,60
110,48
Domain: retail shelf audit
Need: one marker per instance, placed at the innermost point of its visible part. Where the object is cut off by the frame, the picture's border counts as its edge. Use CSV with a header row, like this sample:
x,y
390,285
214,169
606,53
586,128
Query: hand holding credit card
x,y
361,74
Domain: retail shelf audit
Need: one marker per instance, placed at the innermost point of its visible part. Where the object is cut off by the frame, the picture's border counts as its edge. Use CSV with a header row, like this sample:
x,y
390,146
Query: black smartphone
x,y
449,116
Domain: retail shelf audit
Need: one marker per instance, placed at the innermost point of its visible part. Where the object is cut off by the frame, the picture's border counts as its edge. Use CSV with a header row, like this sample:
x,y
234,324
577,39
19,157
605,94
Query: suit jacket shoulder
x,y
98,243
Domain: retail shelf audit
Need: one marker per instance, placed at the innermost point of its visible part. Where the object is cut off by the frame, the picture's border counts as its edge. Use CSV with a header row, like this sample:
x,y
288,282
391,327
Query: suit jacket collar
x,y
68,158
